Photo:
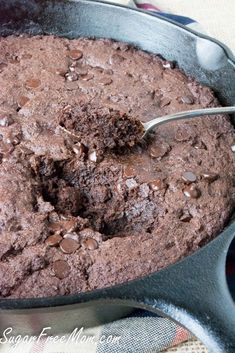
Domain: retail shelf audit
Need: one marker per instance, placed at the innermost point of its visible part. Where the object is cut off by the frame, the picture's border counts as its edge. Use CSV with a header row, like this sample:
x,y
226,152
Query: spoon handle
x,y
186,115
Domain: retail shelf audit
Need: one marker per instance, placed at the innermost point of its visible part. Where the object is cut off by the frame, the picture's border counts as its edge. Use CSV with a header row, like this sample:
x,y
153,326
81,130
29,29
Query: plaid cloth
x,y
141,332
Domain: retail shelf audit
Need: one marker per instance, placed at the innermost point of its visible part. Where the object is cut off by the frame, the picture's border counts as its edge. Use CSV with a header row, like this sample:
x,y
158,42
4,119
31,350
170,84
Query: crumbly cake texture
x,y
83,205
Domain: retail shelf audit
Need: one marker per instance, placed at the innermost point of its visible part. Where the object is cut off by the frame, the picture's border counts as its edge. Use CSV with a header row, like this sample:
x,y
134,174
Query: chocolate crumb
x,y
61,269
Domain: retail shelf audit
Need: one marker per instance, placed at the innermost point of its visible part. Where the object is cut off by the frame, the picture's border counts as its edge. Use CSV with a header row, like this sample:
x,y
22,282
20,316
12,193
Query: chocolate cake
x,y
86,203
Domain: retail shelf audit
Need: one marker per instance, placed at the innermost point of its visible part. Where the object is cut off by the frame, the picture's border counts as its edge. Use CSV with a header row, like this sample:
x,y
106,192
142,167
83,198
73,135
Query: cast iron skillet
x,y
193,292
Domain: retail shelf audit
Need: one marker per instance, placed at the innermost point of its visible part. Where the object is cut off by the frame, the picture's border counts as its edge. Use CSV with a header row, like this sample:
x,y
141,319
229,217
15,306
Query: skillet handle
x,y
194,293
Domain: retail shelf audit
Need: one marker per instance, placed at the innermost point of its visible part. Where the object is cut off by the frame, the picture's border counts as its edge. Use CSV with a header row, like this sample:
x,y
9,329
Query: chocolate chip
x,y
191,192
157,184
72,76
98,69
108,72
210,177
69,225
88,77
53,240
164,102
75,54
72,235
116,59
55,227
120,46
6,120
61,269
128,74
79,149
14,59
61,72
128,171
90,244
189,177
187,99
186,217
157,151
15,140
69,246
199,145
22,101
33,83
73,64
106,81
168,65
93,156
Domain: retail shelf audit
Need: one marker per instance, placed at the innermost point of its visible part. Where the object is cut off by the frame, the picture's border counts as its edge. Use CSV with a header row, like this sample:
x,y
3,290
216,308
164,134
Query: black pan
x,y
193,292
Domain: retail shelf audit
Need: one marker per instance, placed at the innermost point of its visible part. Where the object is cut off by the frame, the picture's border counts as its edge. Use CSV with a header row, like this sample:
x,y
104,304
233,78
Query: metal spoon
x,y
150,125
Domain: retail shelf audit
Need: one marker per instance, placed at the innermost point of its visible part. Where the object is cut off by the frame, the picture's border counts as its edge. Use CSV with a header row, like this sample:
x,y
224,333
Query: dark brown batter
x,y
83,204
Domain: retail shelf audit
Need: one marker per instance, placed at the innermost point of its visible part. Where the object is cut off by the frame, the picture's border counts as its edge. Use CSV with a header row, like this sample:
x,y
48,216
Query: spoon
x,y
129,130
150,125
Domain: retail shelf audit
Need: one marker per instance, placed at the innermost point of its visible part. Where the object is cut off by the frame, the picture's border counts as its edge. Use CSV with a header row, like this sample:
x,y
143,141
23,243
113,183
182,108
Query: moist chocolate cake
x,y
84,203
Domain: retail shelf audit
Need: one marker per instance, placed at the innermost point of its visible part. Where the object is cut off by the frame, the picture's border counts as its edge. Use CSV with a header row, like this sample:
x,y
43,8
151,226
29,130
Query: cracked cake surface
x,y
85,203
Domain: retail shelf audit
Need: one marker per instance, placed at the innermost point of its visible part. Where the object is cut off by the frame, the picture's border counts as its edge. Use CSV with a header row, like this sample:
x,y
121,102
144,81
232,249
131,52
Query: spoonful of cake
x,y
107,129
